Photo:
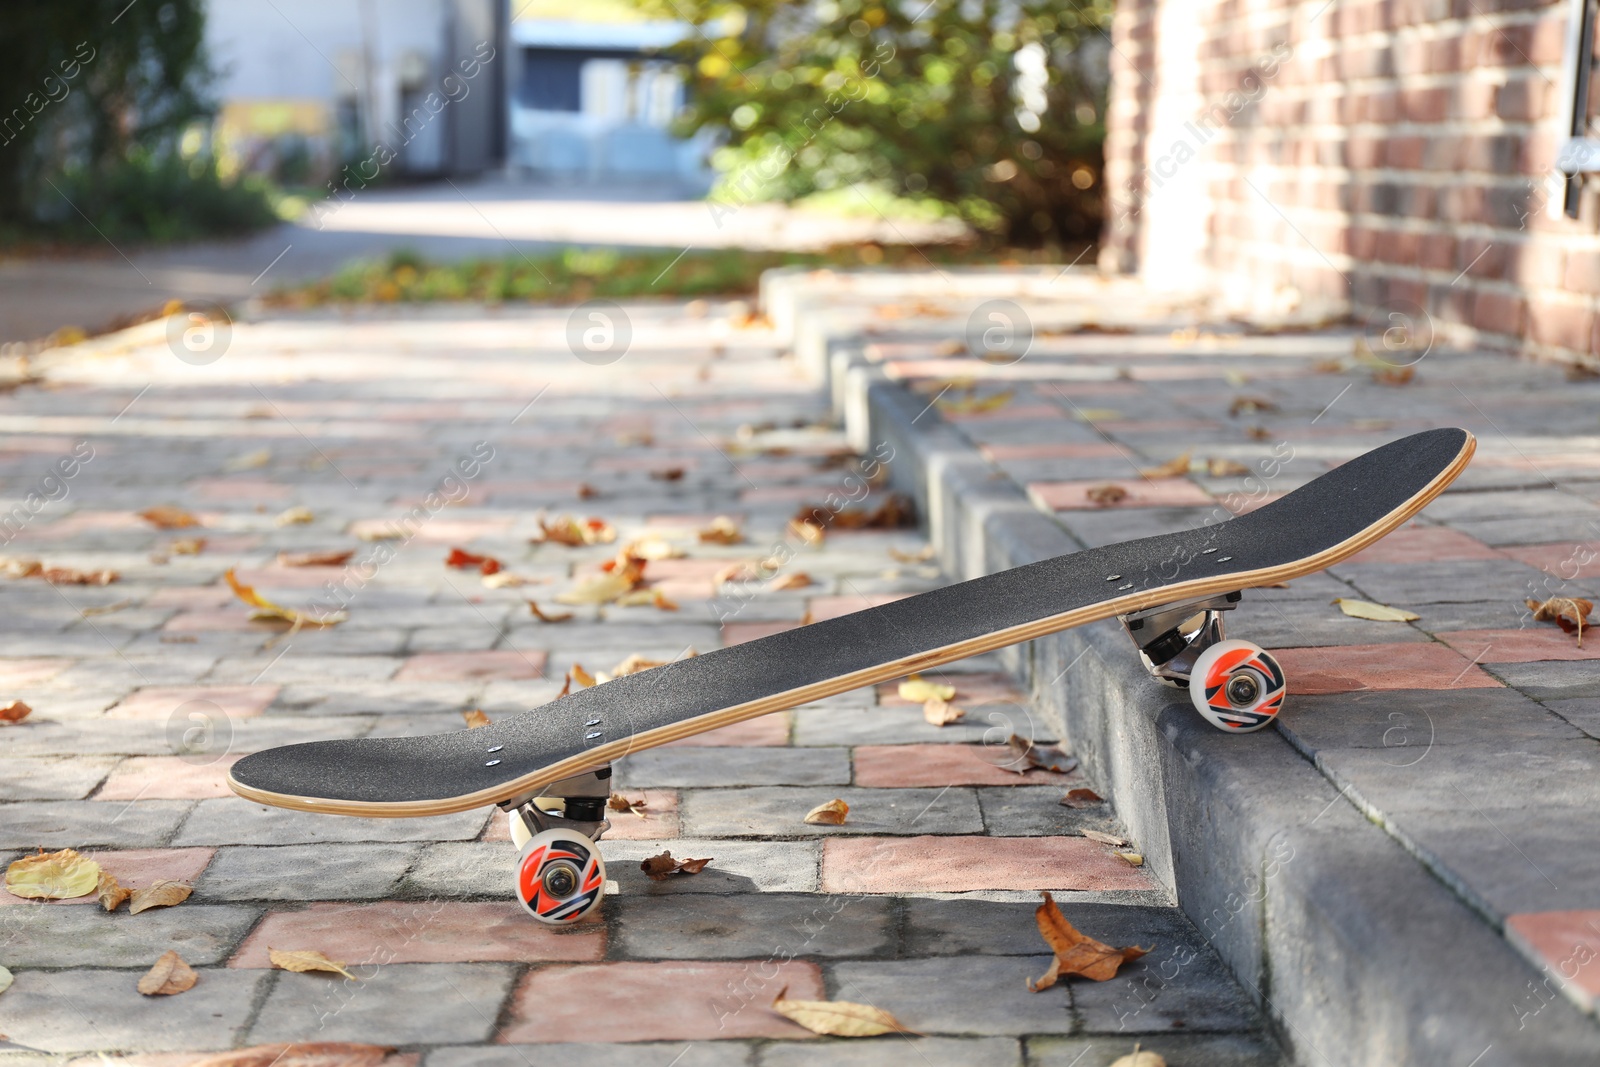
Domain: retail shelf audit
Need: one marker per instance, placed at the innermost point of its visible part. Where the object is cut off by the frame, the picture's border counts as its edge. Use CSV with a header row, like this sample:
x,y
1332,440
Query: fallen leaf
x,y
306,959
797,580
1569,613
918,690
1395,375
1076,952
22,568
618,802
542,616
1173,468
1026,756
1225,468
659,599
299,1054
587,491
168,517
581,676
266,609
831,813
668,474
332,557
14,711
1365,609
838,1018
1242,404
298,516
660,868
721,531
808,532
896,511
1081,798
111,892
597,589
188,546
566,530
634,664
162,893
53,875
1334,365
1105,839
1139,1059
461,559
941,712
73,576
654,548
921,555
169,975
475,718
1258,433
1133,859
1103,496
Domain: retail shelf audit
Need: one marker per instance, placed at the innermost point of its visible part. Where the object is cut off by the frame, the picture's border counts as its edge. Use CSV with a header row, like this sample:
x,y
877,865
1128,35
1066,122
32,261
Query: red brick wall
x,y
1396,156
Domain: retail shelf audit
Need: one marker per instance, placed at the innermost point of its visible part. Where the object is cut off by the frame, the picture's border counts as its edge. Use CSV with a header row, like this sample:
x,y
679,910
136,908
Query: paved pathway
x,y
145,689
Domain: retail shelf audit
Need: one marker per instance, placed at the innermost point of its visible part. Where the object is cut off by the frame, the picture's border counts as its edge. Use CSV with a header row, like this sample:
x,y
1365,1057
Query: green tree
x,y
993,107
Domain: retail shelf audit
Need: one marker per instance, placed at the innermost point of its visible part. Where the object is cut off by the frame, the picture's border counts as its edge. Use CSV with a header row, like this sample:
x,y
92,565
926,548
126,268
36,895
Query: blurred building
x,y
1406,160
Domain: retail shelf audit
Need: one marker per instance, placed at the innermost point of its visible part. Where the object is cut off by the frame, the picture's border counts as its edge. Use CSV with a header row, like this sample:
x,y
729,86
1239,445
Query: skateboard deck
x,y
510,761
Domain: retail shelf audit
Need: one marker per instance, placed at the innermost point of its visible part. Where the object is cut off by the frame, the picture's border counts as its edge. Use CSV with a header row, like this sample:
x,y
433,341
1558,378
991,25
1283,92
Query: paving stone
x,y
1516,774
1031,811
737,867
168,778
953,863
924,1051
778,811
907,766
669,1001
232,821
1550,681
709,767
394,1004
79,823
1567,944
961,995
471,666
965,925
307,872
162,702
83,1010
1583,713
297,668
1415,543
632,1054
72,778
1396,666
1310,623
866,725
1185,986
420,931
1511,860
1409,585
1209,1050
1408,722
51,935
753,925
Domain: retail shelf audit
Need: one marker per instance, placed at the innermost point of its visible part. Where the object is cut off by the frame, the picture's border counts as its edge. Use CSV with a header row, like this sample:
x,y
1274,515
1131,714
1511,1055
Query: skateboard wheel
x,y
560,876
1237,686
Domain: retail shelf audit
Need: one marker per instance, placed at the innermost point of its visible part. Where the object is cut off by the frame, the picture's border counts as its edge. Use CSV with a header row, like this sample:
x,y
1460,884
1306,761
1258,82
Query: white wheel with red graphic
x,y
560,876
1237,686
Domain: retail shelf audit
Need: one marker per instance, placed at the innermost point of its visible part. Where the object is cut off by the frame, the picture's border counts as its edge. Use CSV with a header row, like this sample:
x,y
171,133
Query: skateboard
x,y
550,768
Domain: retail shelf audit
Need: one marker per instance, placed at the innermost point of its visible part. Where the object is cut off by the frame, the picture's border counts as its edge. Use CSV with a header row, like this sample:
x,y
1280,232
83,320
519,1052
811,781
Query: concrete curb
x,y
1354,949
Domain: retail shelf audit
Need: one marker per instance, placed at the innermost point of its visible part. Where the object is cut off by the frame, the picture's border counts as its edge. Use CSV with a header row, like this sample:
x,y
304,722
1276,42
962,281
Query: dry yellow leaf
x,y
917,690
581,676
266,609
797,580
295,517
638,598
299,1054
162,893
831,813
168,517
167,976
1139,1059
305,959
654,548
111,892
1365,609
597,589
722,531
14,711
1173,468
838,1018
941,712
53,875
475,718
1132,859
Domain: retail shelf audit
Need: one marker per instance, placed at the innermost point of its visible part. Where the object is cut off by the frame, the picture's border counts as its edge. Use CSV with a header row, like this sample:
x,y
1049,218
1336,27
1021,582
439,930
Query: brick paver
x,y
146,690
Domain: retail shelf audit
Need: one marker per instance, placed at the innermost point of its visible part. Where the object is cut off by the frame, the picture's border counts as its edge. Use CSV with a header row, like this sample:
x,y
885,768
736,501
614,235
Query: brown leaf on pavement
x,y
296,516
14,711
188,546
1081,798
461,559
808,532
266,609
167,976
1076,952
660,868
587,491
1103,496
111,892
162,893
618,802
1026,756
300,1054
941,712
168,517
831,813
838,1018
721,531
543,616
21,568
1395,375
1173,468
73,576
305,959
581,676
1243,404
326,558
668,474
475,718
569,531
60,875
797,580
1569,613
